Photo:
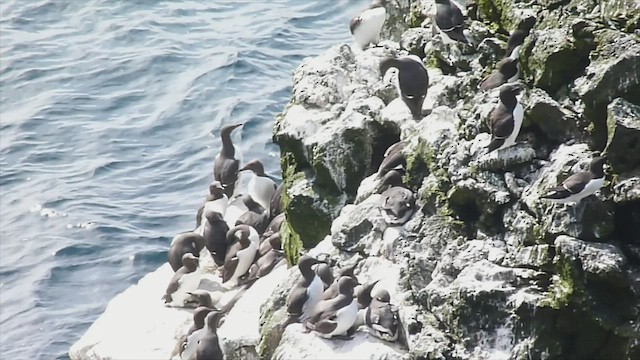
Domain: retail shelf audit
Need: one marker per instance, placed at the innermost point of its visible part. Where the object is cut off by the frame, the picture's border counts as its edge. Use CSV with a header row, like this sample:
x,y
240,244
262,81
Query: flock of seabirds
x,y
241,230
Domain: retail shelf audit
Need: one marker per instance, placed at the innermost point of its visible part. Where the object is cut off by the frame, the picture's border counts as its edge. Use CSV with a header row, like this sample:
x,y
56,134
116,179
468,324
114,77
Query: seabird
x,y
366,27
274,225
187,343
186,279
243,240
255,216
199,298
237,206
363,294
269,260
275,205
579,185
506,72
326,275
382,318
450,20
397,205
261,188
225,165
209,345
306,293
332,291
519,34
393,159
215,236
217,200
336,316
506,118
186,242
413,81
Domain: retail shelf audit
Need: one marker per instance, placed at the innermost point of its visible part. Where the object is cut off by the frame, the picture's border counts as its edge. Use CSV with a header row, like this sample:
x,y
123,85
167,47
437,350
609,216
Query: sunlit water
x,y
110,112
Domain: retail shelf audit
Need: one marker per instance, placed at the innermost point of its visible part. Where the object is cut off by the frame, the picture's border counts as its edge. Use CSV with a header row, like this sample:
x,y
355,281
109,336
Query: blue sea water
x,y
109,116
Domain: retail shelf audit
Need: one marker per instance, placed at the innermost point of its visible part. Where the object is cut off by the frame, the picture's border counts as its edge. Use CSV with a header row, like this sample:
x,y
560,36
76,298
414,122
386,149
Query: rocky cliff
x,y
484,269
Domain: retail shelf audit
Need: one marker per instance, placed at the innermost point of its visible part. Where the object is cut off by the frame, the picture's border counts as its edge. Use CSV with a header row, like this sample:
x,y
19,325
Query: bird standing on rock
x,y
243,240
579,185
260,187
519,34
306,293
186,242
335,317
186,279
413,81
397,205
506,118
225,165
382,317
366,27
450,20
209,345
215,236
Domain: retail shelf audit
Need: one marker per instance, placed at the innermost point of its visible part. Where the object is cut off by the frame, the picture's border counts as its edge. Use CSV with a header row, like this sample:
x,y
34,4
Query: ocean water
x,y
109,116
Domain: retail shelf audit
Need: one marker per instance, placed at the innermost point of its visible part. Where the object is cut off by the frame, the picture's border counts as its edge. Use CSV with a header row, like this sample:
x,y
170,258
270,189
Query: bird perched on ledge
x,y
579,185
413,81
366,27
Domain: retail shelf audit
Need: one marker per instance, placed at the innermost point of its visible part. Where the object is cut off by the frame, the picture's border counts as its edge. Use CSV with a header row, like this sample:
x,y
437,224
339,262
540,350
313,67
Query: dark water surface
x,y
108,115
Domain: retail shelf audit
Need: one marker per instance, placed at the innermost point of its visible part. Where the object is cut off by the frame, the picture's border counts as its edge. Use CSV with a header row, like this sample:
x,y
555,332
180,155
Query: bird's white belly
x,y
518,115
314,292
589,189
188,282
261,190
368,31
245,259
345,318
192,344
233,212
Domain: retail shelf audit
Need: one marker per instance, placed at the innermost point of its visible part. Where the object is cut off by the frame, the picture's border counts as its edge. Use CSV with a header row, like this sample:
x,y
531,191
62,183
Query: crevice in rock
x,y
626,225
385,136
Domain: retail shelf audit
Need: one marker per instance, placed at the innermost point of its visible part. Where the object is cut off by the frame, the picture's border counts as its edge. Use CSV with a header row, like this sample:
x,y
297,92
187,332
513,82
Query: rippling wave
x,y
109,121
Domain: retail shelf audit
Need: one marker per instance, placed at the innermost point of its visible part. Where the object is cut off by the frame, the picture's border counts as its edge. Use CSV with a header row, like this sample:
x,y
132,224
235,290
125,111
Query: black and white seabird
x,y
209,345
186,242
413,81
332,291
450,20
397,205
243,240
187,344
260,187
306,293
217,201
519,34
255,216
366,27
393,158
506,118
506,72
363,294
336,316
274,225
266,244
225,165
215,236
382,317
275,206
326,275
268,261
186,279
199,297
579,185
